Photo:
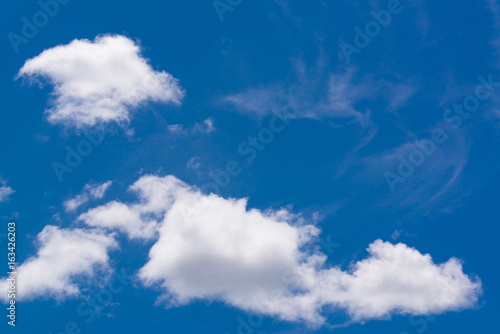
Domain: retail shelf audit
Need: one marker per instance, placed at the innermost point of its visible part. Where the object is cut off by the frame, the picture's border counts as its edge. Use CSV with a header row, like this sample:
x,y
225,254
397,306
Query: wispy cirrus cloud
x,y
421,173
321,94
99,81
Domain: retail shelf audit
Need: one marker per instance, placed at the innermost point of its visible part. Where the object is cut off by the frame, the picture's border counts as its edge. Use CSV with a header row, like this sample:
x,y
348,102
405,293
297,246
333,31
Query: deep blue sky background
x,y
439,48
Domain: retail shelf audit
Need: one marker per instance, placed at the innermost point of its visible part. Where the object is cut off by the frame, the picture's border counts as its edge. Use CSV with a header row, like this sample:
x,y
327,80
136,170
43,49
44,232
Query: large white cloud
x,y
64,255
212,248
99,81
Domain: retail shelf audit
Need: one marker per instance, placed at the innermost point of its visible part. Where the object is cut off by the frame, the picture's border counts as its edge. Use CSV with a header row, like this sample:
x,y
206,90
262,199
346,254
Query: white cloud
x,y
206,127
398,279
63,256
97,191
137,220
176,128
76,202
90,191
119,216
194,163
211,248
99,81
5,192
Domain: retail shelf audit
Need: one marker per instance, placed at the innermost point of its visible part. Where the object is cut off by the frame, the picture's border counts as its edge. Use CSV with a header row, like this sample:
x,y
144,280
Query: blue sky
x,y
335,138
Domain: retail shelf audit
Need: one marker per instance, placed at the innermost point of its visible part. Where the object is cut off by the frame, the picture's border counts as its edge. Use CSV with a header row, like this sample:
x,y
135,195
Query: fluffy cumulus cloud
x,y
212,248
99,81
5,192
90,191
397,279
64,256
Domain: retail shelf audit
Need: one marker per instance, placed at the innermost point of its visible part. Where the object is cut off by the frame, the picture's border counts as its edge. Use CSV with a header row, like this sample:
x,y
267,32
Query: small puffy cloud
x,y
90,191
397,233
63,256
99,81
216,249
194,163
75,202
5,192
121,217
207,126
138,220
97,191
176,129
